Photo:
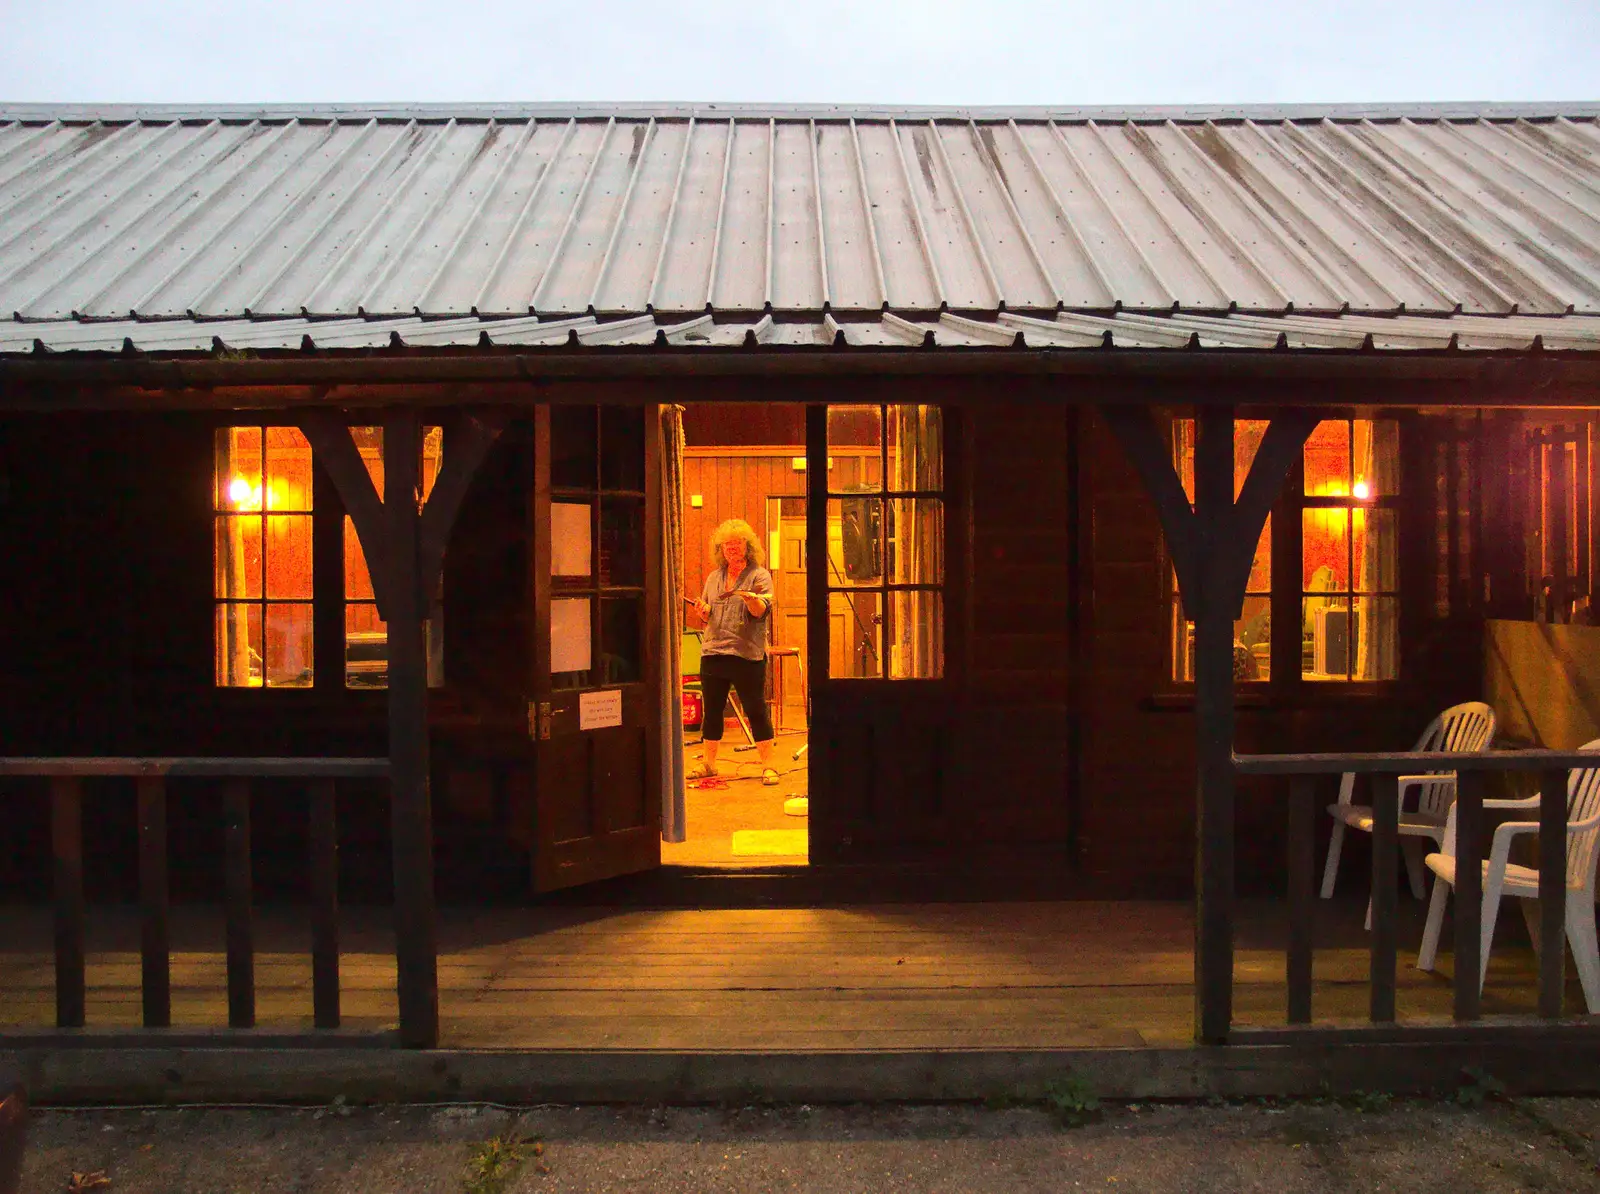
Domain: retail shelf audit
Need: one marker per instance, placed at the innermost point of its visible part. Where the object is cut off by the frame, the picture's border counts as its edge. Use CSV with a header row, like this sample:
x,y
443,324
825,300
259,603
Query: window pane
x,y
289,654
289,556
238,468
366,647
239,652
238,556
622,542
917,619
432,458
571,645
369,443
854,541
1325,551
1377,554
1252,642
622,448
571,534
916,447
855,439
1261,567
1377,653
288,469
572,447
620,640
357,580
916,543
855,625
1329,638
1377,458
1327,459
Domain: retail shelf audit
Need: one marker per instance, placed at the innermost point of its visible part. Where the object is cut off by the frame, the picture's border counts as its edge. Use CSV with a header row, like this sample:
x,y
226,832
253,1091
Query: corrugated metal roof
x,y
625,211
1125,329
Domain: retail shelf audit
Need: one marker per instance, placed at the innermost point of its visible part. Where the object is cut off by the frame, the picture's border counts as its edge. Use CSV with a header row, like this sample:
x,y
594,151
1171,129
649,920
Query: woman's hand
x,y
755,604
702,609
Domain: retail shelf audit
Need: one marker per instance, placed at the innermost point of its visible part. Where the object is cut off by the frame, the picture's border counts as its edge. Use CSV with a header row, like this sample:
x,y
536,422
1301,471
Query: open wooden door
x,y
595,711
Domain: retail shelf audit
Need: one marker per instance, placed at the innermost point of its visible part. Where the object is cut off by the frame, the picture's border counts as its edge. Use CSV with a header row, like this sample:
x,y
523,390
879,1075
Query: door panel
x,y
597,802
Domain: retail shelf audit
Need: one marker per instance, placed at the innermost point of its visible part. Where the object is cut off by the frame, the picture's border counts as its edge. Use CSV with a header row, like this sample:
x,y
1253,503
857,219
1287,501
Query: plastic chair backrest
x,y
1583,804
1467,727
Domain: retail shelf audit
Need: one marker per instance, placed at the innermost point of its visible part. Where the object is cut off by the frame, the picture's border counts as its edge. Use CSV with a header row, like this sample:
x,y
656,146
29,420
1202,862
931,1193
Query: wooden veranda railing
x,y
1306,807
66,779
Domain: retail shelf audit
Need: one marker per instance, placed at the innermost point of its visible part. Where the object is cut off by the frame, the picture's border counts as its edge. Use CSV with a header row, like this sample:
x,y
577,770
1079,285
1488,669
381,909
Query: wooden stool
x,y
775,658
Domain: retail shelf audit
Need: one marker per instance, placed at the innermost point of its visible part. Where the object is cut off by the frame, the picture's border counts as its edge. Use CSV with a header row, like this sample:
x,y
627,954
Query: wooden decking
x,y
903,977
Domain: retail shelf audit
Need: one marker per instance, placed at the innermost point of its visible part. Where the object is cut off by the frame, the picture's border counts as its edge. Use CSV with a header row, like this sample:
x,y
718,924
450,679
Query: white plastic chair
x,y
1464,727
1503,877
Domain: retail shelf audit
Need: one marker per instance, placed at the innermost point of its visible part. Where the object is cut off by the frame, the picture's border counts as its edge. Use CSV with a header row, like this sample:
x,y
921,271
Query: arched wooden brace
x,y
1212,545
404,541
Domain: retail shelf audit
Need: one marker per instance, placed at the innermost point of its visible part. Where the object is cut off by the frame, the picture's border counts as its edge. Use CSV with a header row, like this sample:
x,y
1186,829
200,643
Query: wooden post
x,y
1214,724
1469,892
1211,546
823,818
411,817
1302,894
1385,861
1552,891
155,946
240,918
324,904
66,843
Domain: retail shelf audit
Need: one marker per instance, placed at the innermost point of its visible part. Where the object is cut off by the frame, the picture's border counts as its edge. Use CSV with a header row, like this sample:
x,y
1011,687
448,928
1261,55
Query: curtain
x,y
914,464
673,817
1377,461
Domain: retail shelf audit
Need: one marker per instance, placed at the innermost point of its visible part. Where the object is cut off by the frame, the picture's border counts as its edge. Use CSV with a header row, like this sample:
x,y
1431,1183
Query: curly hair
x,y
738,528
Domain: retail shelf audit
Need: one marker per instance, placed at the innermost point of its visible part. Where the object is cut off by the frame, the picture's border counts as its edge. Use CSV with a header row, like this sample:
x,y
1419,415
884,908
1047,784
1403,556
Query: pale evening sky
x,y
948,52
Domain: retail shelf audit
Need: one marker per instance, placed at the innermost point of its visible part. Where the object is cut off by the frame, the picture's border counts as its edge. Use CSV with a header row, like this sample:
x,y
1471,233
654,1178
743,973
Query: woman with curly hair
x,y
735,603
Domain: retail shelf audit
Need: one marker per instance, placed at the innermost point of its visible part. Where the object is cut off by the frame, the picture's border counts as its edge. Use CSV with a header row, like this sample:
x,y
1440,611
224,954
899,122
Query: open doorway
x,y
747,461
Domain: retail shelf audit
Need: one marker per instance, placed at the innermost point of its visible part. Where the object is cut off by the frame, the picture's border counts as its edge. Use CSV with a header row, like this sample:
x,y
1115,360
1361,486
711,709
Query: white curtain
x,y
673,816
1376,461
914,464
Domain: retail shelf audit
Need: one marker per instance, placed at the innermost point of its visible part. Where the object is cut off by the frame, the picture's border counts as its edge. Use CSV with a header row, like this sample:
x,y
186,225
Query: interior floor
x,y
739,821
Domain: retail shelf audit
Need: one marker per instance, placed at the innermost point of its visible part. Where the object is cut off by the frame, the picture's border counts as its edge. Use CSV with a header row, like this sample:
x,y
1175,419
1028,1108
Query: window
x,y
886,542
1558,519
366,636
264,585
262,558
1349,556
597,536
1344,499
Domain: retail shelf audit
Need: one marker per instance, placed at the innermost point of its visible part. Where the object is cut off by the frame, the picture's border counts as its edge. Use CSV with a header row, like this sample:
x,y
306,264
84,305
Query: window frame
x,y
1286,583
884,586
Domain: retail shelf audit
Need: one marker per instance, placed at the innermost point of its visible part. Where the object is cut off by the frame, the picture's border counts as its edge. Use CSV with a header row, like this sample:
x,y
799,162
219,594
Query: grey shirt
x,y
730,629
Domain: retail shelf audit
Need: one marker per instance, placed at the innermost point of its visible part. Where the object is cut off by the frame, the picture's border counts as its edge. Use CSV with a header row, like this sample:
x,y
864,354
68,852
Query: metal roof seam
x,y
966,216
769,264
672,216
553,262
77,237
522,215
329,222
1111,212
65,160
270,228
868,207
722,207
1063,219
822,232
621,219
1045,273
917,223
471,222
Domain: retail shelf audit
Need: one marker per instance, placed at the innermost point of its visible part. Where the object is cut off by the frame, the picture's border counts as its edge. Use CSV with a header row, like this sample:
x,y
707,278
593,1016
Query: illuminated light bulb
x,y
243,495
1362,490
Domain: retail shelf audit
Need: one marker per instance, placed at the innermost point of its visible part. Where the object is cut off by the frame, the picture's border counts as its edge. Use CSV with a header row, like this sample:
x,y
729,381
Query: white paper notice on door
x,y
596,710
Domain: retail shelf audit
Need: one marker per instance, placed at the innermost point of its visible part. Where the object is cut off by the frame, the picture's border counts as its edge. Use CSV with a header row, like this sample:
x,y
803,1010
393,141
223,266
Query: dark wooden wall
x,y
1056,736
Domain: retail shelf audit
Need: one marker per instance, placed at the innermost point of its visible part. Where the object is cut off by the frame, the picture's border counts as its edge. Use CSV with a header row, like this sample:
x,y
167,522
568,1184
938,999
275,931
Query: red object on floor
x,y
693,710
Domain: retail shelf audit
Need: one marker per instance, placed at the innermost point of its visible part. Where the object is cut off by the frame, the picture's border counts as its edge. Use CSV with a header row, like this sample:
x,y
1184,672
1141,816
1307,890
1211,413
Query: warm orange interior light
x,y
1363,490
243,495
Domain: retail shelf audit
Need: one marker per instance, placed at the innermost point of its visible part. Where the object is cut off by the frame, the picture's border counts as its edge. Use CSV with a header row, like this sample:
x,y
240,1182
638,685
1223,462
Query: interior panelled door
x,y
595,710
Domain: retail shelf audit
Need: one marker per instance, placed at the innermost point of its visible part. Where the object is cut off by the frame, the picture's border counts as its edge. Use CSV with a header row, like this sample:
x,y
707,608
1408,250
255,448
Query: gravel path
x,y
1409,1145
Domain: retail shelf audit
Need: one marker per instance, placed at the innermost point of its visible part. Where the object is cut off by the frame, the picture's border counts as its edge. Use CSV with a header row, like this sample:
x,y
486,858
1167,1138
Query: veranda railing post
x,y
1385,860
66,846
1552,891
1302,894
240,916
1469,893
155,945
